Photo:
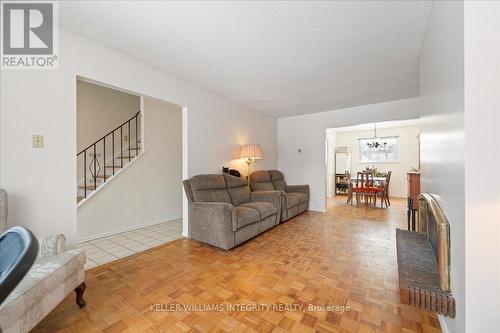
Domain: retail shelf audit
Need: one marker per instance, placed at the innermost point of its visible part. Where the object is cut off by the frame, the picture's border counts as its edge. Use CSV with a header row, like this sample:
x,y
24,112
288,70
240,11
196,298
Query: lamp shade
x,y
251,151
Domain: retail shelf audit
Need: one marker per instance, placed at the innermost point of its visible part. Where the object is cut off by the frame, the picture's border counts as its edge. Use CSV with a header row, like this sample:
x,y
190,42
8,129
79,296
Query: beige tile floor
x,y
103,250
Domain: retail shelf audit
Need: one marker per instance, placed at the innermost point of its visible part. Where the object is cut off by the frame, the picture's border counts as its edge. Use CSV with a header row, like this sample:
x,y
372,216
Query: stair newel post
x,y
128,141
85,173
95,169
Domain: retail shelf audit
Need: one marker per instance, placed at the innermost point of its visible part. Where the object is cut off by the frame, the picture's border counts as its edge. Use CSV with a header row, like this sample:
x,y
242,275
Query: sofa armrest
x,y
212,222
273,197
52,245
298,188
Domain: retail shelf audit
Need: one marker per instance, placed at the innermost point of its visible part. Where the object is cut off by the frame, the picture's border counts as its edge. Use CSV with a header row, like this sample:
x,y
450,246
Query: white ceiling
x,y
280,58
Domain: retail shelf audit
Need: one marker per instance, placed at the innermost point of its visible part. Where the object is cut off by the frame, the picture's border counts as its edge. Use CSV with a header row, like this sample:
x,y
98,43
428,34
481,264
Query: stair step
x,y
107,177
138,148
111,167
125,157
99,177
78,199
89,187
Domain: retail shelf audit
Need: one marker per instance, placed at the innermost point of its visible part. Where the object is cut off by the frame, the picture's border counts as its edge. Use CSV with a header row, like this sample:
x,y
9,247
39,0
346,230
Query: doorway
x,y
381,147
138,163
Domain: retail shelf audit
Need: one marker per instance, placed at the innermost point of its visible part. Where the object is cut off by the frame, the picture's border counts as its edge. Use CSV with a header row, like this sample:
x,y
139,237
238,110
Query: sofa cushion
x,y
45,276
302,197
278,180
276,175
233,181
239,195
279,185
264,208
261,181
209,188
238,189
245,216
207,182
292,200
212,196
261,176
263,186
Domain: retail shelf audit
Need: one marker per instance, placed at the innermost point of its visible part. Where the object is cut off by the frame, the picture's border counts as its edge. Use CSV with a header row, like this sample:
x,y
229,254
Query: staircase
x,y
103,159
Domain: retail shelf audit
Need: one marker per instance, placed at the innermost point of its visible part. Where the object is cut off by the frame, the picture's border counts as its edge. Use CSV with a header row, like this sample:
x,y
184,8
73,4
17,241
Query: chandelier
x,y
376,143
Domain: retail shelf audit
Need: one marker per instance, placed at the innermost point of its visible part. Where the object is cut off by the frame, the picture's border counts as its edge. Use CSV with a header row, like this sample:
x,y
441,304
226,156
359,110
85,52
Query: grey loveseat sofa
x,y
224,212
294,198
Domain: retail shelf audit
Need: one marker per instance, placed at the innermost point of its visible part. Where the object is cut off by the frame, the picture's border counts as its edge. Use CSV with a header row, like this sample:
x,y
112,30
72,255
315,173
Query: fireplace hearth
x,y
424,260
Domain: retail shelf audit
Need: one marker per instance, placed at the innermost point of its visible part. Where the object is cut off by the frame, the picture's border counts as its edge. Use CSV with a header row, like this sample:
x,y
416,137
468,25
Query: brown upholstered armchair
x,y
294,198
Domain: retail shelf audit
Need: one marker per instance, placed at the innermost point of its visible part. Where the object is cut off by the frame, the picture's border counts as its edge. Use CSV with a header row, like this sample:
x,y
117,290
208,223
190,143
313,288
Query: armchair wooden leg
x,y
79,295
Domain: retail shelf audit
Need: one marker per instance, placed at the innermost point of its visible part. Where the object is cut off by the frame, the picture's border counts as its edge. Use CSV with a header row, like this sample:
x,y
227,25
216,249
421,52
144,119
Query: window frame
x,y
380,138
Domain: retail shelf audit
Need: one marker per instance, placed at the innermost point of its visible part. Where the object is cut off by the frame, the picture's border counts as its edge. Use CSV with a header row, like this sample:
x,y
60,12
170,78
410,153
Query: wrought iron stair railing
x,y
111,152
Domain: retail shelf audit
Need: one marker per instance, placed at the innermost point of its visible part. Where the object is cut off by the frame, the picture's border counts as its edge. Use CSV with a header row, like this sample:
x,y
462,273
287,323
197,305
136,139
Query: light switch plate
x,y
37,141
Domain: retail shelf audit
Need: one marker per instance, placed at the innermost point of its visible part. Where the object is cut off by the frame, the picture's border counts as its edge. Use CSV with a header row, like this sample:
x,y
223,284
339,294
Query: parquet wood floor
x,y
346,256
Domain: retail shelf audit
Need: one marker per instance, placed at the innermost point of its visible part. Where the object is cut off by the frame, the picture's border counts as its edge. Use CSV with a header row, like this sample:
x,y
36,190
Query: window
x,y
382,149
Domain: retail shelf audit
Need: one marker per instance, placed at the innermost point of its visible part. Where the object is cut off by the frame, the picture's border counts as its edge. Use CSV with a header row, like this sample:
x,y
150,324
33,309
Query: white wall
x,y
482,158
99,110
407,154
149,190
41,182
308,132
331,138
442,134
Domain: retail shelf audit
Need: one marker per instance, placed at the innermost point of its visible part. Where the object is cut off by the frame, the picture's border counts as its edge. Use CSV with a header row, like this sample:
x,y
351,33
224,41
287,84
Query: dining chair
x,y
365,187
384,193
372,187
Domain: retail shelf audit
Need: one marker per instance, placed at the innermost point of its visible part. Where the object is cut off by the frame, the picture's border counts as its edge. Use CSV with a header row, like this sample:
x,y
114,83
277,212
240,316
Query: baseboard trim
x,y
442,323
119,231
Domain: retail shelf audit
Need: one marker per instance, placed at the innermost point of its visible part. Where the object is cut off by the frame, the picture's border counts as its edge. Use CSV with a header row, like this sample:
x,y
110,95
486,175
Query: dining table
x,y
378,181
